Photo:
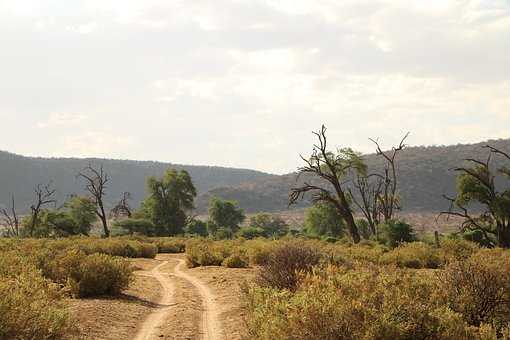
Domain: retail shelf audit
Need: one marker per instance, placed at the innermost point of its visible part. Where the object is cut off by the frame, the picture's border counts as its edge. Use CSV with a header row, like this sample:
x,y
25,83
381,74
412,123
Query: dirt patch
x,y
169,301
118,317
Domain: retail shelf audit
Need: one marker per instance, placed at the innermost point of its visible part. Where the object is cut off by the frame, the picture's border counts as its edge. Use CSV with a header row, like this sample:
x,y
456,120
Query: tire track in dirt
x,y
154,320
210,325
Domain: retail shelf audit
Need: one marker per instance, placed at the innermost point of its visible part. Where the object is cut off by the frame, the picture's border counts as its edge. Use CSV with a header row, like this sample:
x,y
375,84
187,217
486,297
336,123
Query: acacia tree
x,y
477,184
122,207
331,169
10,218
95,184
43,196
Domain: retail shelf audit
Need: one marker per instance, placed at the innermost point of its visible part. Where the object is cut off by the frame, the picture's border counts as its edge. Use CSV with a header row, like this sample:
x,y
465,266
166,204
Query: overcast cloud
x,y
242,83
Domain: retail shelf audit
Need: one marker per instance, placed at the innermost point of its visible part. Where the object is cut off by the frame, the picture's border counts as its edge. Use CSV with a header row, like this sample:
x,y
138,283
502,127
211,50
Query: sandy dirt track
x,y
210,327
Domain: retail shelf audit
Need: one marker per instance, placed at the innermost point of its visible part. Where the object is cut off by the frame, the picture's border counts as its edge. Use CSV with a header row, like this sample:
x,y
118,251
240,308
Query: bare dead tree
x,y
122,207
368,190
388,199
10,218
96,180
43,196
330,168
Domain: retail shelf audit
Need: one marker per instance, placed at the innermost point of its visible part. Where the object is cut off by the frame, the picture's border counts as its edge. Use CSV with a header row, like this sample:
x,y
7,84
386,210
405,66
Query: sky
x,y
242,83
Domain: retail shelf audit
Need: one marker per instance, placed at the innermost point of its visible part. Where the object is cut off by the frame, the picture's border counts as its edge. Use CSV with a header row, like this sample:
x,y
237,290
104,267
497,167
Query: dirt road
x,y
210,327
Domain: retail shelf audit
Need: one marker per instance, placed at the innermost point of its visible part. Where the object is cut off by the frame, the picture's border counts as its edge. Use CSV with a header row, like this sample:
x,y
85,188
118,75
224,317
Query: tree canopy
x,y
170,199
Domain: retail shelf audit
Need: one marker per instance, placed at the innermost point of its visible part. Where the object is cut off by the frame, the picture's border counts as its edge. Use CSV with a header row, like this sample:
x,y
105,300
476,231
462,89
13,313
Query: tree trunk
x,y
353,228
102,216
504,237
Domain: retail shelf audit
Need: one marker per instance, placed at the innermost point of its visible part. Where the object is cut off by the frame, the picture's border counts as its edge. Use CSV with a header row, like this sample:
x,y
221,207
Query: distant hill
x,y
19,175
423,174
424,177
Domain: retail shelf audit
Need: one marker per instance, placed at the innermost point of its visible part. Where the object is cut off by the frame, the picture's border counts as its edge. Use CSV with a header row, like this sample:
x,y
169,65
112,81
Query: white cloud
x,y
250,77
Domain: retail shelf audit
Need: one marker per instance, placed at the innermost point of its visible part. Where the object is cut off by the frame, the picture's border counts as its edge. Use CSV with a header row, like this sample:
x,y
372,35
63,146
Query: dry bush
x,y
479,287
32,308
204,253
170,245
413,255
455,250
286,262
100,274
361,303
259,250
236,260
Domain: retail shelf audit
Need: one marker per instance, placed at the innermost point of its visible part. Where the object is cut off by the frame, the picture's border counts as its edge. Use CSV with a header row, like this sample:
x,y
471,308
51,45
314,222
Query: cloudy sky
x,y
243,82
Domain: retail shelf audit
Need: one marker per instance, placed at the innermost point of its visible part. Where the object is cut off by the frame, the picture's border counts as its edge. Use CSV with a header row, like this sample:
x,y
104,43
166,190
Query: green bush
x,y
250,233
99,274
393,233
196,227
413,255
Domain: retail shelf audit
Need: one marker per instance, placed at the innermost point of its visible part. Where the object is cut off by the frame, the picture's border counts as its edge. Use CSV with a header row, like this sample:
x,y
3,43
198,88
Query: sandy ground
x,y
169,301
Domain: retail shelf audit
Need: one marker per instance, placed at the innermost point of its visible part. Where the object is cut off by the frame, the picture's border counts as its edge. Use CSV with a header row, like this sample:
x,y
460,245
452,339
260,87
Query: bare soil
x,y
167,300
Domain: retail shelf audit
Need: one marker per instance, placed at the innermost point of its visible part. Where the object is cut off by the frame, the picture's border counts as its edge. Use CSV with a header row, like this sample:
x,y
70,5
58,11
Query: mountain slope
x,y
424,177
19,175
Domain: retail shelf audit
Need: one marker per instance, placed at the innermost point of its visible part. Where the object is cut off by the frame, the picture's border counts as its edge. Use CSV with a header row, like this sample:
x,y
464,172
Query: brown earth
x,y
168,301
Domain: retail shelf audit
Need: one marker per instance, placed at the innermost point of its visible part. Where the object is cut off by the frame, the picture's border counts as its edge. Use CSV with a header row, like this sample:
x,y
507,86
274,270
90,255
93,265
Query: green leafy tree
x,y
323,219
50,223
196,227
82,211
170,199
478,184
272,226
330,169
224,214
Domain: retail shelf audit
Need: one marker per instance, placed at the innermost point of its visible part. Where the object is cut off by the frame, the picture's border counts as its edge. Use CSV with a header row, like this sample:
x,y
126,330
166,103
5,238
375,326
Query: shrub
x,y
413,255
478,237
203,253
361,303
171,245
235,261
455,249
32,308
99,274
393,233
479,287
285,262
258,251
